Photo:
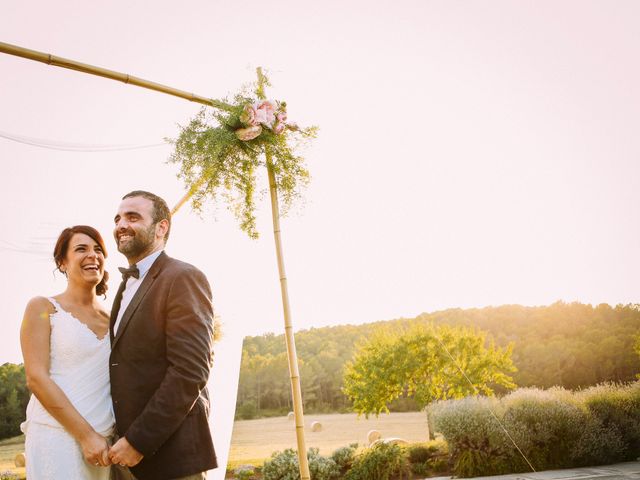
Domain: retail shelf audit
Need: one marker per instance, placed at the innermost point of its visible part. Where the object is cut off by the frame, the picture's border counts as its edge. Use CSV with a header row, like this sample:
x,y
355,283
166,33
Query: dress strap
x,y
55,304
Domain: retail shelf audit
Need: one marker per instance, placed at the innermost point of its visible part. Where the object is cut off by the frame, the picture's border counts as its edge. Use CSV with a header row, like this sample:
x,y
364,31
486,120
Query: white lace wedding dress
x,y
80,367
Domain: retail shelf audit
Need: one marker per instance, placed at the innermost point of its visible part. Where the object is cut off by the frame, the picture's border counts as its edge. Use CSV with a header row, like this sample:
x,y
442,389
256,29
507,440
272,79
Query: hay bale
x,y
316,427
390,441
372,436
395,441
20,460
291,416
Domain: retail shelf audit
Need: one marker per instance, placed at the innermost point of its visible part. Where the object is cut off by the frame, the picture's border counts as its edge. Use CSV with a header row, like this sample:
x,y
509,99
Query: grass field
x,y
254,440
9,448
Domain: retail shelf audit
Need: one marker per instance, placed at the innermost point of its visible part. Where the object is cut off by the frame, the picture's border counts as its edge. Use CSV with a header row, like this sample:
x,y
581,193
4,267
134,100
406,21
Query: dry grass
x,y
9,448
254,440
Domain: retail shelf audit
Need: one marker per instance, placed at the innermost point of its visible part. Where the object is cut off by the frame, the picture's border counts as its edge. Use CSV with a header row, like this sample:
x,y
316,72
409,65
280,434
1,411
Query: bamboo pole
x,y
187,196
103,72
288,330
292,356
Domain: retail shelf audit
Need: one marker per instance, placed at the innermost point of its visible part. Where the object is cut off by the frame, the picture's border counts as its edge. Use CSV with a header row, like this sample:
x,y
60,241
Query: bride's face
x,y
84,261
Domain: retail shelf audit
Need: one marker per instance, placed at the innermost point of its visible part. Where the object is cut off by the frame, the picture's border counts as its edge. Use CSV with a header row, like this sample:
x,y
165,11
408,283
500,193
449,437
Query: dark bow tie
x,y
132,271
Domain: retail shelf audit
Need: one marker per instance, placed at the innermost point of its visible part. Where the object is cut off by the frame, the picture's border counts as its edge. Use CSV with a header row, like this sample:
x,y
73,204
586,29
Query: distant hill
x,y
571,345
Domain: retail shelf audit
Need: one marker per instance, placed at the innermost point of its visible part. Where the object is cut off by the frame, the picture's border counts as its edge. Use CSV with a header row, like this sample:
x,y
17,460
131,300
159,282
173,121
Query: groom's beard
x,y
140,242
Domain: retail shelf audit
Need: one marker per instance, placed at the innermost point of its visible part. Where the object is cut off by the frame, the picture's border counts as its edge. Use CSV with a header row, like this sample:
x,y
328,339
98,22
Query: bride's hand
x,y
105,460
95,449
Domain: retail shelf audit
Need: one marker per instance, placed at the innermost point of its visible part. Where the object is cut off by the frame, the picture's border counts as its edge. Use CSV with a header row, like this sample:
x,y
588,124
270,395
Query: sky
x,y
469,153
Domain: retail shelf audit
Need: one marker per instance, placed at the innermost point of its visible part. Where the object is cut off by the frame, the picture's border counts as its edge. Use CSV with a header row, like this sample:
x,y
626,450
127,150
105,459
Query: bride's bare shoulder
x,y
39,306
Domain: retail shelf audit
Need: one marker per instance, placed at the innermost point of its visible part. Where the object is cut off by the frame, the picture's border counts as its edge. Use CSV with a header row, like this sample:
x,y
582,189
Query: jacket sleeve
x,y
189,347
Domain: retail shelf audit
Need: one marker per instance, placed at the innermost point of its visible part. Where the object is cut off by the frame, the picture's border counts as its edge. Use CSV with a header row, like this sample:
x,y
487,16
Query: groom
x,y
161,352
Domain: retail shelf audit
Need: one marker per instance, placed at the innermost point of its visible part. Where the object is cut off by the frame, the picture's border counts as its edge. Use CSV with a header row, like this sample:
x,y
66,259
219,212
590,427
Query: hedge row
x,y
552,429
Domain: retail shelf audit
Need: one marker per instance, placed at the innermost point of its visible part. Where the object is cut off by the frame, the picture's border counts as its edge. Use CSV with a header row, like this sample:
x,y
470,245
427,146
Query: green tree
x,y
426,363
14,397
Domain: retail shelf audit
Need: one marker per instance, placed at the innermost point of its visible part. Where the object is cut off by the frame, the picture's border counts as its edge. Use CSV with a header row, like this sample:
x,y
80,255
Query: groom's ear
x,y
162,227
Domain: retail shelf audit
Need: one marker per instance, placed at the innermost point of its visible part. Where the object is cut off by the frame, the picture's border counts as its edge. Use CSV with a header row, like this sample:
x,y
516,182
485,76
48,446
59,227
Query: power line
x,y
488,408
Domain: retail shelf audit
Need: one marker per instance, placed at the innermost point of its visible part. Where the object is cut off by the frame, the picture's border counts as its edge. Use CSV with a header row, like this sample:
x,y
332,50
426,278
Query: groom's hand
x,y
123,454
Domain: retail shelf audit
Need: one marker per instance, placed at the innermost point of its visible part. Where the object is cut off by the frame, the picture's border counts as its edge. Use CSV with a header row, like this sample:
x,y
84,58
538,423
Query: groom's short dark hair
x,y
160,209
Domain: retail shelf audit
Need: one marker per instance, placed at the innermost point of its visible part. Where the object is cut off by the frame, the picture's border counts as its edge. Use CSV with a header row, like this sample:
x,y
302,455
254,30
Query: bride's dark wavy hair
x,y
62,246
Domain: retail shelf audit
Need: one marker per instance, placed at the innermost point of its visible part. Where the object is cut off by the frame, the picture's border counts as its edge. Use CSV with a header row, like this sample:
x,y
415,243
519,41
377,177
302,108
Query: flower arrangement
x,y
220,149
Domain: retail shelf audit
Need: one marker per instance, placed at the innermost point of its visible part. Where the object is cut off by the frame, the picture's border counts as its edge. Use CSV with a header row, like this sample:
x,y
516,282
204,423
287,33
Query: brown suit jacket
x,y
159,367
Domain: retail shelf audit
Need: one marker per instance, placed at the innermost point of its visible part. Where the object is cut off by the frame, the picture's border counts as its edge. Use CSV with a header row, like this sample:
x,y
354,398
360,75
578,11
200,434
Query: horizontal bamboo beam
x,y
113,75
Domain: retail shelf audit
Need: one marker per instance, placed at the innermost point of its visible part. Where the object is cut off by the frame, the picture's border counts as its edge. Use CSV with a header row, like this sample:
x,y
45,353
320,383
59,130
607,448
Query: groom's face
x,y
135,232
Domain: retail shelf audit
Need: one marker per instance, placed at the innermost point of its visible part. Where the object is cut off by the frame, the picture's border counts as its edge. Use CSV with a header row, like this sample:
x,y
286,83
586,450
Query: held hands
x,y
95,449
123,454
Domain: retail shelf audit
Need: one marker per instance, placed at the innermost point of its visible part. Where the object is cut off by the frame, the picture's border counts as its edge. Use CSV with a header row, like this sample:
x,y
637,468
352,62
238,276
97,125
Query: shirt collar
x,y
145,264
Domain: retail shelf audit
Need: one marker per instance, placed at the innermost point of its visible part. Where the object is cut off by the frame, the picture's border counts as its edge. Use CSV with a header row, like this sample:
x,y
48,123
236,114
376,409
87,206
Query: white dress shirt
x,y
133,284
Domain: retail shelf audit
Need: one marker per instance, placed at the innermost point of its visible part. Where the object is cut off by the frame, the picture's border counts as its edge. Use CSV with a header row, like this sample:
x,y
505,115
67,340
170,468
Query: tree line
x,y
14,397
572,345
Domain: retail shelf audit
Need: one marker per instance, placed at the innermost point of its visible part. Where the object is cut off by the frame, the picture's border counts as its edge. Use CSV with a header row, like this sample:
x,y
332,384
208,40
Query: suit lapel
x,y
153,272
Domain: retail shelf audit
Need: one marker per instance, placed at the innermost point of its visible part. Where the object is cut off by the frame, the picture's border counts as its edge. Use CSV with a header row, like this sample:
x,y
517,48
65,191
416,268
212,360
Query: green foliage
x,y
244,472
616,410
553,429
597,445
569,345
215,162
476,441
429,363
429,459
246,411
284,466
14,397
422,452
344,457
382,462
544,424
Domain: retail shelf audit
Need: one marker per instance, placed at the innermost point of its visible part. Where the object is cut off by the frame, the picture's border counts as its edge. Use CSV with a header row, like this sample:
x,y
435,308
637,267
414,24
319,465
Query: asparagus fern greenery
x,y
221,148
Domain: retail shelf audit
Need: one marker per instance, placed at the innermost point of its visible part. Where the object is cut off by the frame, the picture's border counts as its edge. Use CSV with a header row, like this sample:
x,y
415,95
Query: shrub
x,y
380,462
428,459
617,408
418,453
322,468
284,466
344,457
553,428
597,445
545,424
477,443
247,411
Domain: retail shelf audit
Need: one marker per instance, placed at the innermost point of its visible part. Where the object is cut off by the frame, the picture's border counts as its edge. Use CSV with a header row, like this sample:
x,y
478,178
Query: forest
x,y
14,397
572,345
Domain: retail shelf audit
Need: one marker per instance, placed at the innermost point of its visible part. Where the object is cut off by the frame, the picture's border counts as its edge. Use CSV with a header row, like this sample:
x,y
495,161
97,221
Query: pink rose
x,y
248,133
281,117
248,116
278,128
265,112
261,116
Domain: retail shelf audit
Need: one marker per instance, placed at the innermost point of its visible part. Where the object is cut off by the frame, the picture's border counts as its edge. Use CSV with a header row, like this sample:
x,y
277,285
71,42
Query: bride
x,y
65,344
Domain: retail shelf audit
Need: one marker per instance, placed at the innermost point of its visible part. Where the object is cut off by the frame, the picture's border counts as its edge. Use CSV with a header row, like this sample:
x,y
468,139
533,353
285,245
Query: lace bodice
x,y
79,365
